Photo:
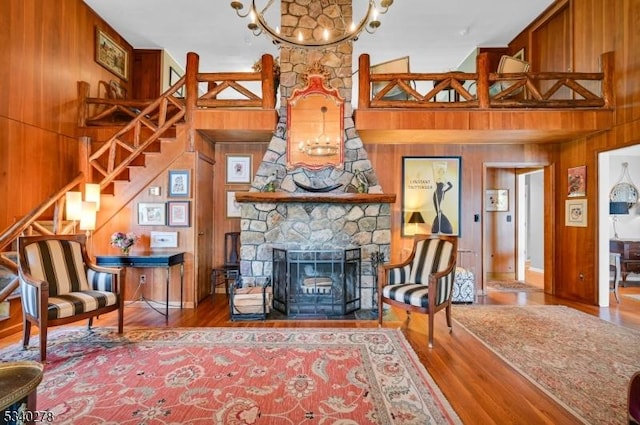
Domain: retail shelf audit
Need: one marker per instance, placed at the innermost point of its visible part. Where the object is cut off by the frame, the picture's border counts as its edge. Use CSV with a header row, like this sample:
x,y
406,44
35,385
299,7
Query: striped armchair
x,y
424,281
60,285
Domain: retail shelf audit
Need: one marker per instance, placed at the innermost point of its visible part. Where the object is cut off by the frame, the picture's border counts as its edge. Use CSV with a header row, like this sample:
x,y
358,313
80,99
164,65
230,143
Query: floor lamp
x,y
616,209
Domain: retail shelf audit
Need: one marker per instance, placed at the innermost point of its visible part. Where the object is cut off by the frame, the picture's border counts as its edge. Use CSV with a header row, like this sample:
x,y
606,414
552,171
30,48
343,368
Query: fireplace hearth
x,y
316,283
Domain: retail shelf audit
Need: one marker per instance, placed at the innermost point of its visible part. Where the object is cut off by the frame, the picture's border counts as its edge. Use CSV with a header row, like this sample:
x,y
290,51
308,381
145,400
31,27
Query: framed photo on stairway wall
x,y
179,184
111,55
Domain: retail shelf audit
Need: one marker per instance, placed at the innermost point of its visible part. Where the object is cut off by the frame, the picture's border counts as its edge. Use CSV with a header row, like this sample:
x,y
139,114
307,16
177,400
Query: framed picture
x,y
431,187
151,214
496,200
163,239
179,213
233,206
111,55
238,169
179,184
577,181
576,213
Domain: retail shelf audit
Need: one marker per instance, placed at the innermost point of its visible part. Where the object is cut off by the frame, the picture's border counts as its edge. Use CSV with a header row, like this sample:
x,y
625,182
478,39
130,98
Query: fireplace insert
x,y
316,283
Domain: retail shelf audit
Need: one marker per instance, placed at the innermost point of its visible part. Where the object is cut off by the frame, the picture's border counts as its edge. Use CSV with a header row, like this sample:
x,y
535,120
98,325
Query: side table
x,y
18,384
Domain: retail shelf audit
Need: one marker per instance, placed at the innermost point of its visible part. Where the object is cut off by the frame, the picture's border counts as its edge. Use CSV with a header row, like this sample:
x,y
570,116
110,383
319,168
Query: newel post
x,y
607,63
482,89
191,98
268,82
84,152
364,81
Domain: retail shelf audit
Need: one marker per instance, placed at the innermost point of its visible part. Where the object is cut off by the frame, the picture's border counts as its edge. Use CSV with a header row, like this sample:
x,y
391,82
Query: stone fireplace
x,y
340,206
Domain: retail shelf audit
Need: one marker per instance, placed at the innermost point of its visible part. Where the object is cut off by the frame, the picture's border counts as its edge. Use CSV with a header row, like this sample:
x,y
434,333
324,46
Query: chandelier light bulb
x,y
259,24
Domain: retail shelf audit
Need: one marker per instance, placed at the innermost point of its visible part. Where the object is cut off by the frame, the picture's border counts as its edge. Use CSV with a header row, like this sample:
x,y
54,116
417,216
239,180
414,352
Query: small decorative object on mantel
x,y
363,182
124,241
270,184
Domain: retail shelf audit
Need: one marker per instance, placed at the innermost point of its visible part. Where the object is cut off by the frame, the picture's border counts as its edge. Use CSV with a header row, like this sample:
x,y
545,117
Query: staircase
x,y
128,161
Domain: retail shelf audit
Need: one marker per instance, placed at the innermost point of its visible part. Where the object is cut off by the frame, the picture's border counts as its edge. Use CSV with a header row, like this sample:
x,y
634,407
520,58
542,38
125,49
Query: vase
x,y
125,251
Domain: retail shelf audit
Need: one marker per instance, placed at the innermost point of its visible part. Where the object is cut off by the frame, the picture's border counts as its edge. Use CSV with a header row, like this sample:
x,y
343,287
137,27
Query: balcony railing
x,y
452,90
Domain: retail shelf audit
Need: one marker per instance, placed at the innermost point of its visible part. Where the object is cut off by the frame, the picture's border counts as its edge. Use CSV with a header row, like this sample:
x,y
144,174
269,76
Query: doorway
x,y
627,225
514,234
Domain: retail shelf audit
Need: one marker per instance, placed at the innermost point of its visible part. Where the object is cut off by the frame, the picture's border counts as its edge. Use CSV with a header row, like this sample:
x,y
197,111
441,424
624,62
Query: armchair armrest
x,y
34,293
441,284
105,278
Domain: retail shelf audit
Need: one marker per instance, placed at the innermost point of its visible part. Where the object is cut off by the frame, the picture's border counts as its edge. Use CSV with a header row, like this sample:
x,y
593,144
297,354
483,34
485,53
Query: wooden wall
x,y
475,160
596,26
222,224
48,46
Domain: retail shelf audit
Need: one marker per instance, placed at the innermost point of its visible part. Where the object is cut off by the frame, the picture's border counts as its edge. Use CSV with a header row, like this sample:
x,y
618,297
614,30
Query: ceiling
x,y
436,34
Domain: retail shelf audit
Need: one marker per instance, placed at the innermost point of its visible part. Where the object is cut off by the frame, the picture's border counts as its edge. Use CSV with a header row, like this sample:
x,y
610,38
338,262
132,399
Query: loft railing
x,y
151,119
472,90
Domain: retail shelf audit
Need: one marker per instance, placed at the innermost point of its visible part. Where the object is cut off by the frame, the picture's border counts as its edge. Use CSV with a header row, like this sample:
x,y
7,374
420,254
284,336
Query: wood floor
x,y
481,387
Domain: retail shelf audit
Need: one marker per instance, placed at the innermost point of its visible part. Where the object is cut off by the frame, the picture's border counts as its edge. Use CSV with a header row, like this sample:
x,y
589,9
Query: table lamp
x,y
416,218
616,209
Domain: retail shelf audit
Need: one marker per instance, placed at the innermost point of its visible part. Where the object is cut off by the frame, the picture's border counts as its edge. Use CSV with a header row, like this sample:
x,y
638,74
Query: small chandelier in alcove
x,y
322,145
341,32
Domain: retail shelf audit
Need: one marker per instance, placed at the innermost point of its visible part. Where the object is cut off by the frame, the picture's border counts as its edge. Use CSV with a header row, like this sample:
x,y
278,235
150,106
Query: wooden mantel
x,y
317,198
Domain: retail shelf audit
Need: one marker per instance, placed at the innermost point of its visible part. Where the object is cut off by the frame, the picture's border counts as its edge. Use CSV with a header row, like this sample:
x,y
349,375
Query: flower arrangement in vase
x,y
124,241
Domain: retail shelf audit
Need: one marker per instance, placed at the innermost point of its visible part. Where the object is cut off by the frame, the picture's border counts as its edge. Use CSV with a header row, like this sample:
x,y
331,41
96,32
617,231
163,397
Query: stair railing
x,y
11,233
132,139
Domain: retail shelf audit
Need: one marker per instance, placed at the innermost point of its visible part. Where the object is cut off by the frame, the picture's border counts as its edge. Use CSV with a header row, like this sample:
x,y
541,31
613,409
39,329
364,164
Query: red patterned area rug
x,y
236,376
583,362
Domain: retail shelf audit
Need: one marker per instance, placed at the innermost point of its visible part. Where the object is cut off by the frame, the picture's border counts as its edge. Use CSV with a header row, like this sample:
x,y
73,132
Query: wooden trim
x,y
341,198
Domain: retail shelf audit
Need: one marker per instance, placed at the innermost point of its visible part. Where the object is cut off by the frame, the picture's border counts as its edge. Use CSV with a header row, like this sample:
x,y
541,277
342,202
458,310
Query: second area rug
x,y
583,362
236,376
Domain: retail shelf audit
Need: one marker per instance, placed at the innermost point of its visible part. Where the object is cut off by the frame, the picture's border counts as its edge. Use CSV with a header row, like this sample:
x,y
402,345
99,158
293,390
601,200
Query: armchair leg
x,y
26,333
121,319
43,343
90,323
447,311
430,330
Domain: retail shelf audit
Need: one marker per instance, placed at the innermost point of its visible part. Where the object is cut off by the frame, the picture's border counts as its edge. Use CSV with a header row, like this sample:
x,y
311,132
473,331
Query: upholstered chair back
x,y
58,262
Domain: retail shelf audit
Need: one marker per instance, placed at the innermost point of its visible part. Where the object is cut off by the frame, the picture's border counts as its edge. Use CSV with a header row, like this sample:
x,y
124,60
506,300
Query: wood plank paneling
x,y
474,159
223,224
49,46
598,26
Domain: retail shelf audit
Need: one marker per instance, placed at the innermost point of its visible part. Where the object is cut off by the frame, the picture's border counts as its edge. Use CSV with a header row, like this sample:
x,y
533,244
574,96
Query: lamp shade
x,y
73,205
88,218
618,208
416,217
92,194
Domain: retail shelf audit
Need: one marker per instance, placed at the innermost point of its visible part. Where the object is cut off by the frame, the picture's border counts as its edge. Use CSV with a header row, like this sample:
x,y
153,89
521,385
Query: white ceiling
x,y
436,34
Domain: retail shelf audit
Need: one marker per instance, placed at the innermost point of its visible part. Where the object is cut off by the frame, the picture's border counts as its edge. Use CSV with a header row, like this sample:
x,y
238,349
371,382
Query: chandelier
x,y
322,145
324,37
